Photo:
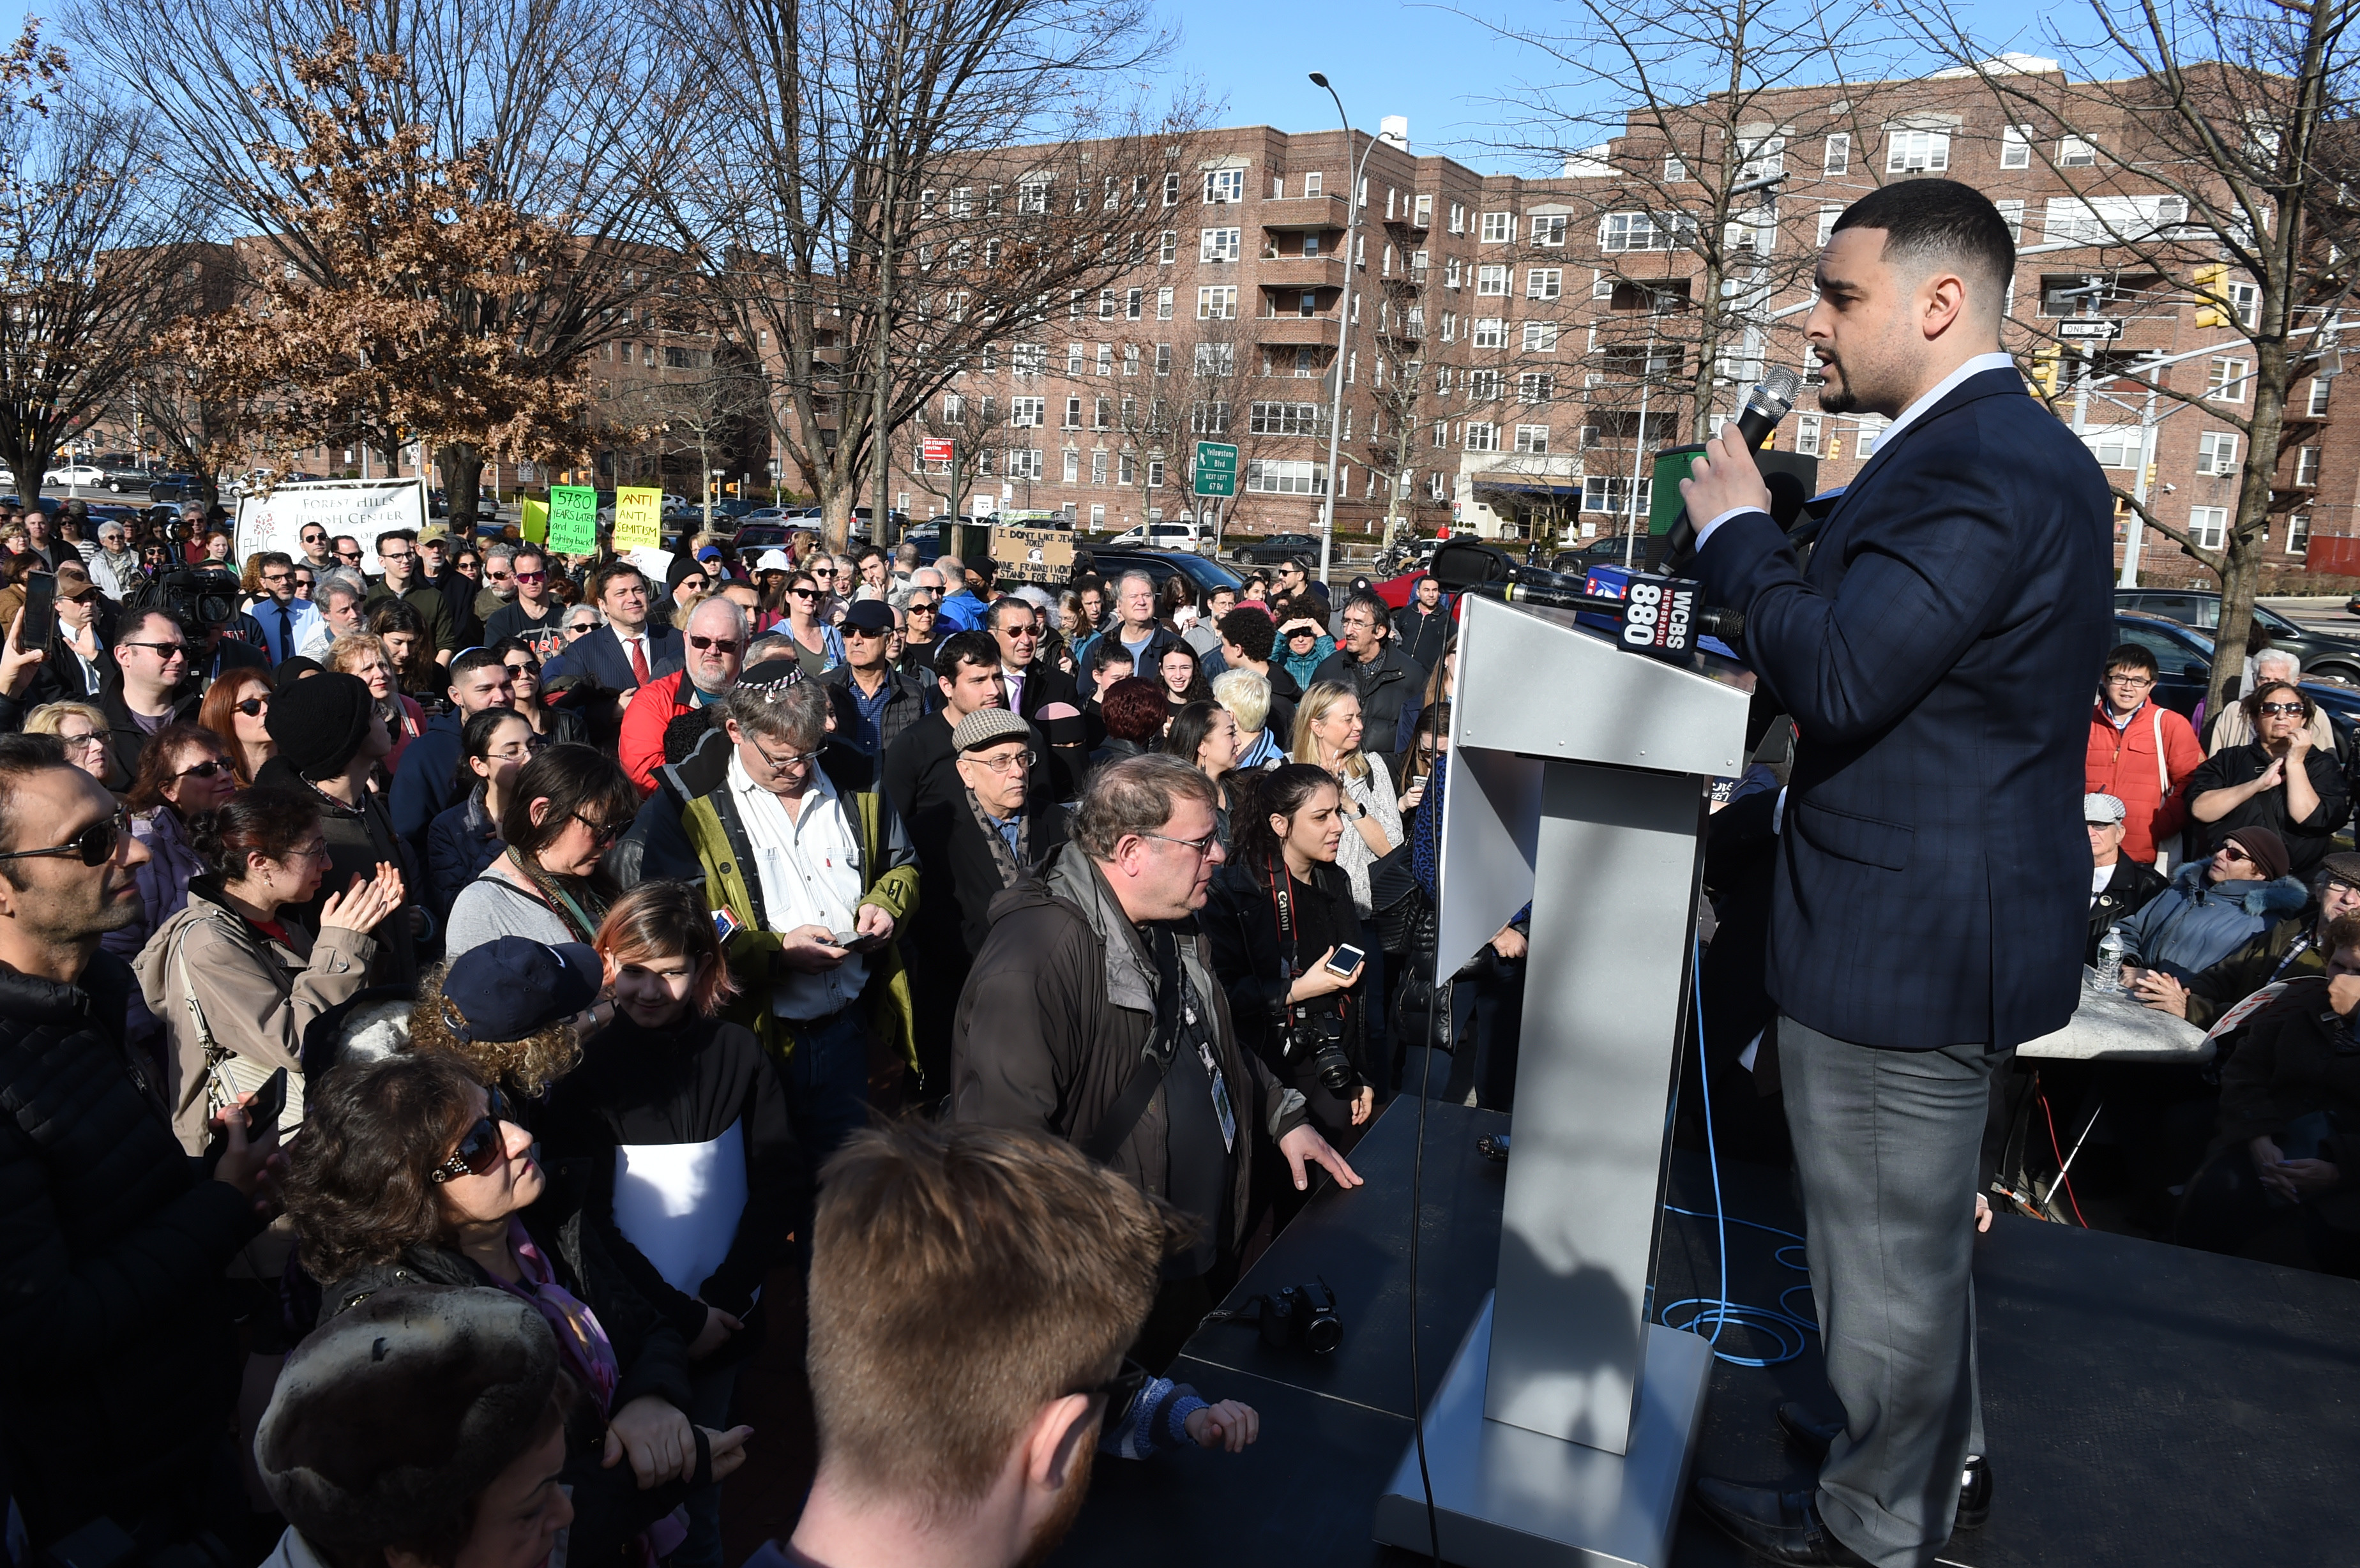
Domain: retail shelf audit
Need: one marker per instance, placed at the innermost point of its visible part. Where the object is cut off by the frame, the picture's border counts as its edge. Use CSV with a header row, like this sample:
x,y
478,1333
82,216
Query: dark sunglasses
x,y
601,833
211,767
482,1147
702,644
95,843
530,576
253,707
2282,707
526,667
803,592
87,596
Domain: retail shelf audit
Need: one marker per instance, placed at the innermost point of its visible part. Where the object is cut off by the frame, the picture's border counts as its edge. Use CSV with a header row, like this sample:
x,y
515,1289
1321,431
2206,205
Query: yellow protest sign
x,y
639,519
535,528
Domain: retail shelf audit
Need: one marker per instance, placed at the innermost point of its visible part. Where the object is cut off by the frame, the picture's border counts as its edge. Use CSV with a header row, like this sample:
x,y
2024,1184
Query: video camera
x,y
196,596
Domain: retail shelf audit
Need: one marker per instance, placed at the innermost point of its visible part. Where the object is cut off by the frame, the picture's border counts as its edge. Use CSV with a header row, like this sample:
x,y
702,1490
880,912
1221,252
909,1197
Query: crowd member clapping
x,y
569,806
237,708
331,741
1279,912
410,1171
695,1178
2277,780
118,1355
494,747
233,979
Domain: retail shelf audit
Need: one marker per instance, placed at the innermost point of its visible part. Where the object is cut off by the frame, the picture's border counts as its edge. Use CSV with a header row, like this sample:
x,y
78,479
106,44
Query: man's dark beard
x,y
1069,1506
1837,399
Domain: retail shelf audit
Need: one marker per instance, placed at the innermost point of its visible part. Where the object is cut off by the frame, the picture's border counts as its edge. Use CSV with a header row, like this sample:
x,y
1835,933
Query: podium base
x,y
1507,1497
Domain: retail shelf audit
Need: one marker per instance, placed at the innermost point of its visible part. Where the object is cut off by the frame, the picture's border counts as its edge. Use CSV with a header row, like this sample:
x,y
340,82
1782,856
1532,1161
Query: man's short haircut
x,y
21,756
1245,694
926,571
475,659
1252,630
2131,656
1001,1268
133,626
607,573
406,535
341,579
1380,614
906,553
794,715
965,648
1000,609
1120,584
523,551
1135,796
501,551
2268,656
1936,223
270,557
715,605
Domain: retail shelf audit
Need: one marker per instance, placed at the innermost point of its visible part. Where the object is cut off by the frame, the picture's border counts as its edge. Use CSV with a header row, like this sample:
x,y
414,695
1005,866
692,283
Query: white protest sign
x,y
361,507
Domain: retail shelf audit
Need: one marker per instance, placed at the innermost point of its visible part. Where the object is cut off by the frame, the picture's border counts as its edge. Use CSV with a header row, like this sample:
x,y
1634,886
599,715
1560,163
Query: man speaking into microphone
x,y
1929,910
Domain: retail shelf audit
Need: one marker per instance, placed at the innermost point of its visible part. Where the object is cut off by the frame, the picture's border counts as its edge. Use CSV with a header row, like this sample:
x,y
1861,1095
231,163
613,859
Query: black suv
x,y
2324,656
1270,549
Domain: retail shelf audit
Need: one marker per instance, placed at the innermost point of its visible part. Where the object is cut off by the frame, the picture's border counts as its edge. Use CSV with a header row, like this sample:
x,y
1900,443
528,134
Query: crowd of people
x,y
507,960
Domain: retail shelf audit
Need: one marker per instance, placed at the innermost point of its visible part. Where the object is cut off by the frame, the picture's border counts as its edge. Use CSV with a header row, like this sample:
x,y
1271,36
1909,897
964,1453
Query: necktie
x,y
640,674
1015,693
286,634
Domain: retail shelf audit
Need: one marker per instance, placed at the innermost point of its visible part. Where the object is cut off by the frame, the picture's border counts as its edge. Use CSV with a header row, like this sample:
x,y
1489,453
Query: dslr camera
x,y
1318,1032
1302,1317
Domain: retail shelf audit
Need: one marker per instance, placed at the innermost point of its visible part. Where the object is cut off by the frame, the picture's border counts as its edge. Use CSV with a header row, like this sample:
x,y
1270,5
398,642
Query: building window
x,y
1536,386
1216,359
1482,436
1217,302
1171,199
1807,434
1457,218
1286,419
1027,413
1209,419
1916,152
1836,156
1442,432
1492,280
1072,414
1759,159
2306,465
2118,447
1106,305
1676,168
2297,533
1126,469
1424,217
2245,302
2224,381
1619,232
1483,386
2319,391
1828,213
1164,359
1098,514
1098,472
1024,463
1224,186
2208,525
1155,474
2216,454
1163,304
1434,486
1613,493
1099,408
1028,358
1266,476
1218,245
2011,213
2072,152
1073,467
1131,359
1540,337
963,201
2015,146
1133,303
1544,282
1449,325
1169,251
1532,439
1549,230
1490,332
1499,227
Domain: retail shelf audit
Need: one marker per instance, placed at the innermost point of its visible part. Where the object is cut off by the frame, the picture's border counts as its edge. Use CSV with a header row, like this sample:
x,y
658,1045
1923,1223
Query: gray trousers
x,y
1887,1143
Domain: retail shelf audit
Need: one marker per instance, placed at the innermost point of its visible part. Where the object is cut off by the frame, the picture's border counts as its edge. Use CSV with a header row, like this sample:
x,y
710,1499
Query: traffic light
x,y
2212,300
2045,363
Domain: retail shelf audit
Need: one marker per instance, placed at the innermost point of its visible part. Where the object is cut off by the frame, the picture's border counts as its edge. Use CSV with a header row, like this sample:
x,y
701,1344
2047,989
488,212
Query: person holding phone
x,y
1286,945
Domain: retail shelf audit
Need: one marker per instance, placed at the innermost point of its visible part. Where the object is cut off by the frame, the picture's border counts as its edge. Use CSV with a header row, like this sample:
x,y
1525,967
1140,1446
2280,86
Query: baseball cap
x,y
512,986
872,616
988,726
2102,808
773,560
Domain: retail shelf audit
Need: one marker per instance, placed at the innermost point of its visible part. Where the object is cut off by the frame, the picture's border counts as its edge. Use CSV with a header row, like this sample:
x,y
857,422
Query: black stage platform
x,y
2145,1405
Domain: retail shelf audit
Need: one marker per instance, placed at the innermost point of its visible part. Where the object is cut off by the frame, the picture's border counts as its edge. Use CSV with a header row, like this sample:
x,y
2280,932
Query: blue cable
x,y
1780,1324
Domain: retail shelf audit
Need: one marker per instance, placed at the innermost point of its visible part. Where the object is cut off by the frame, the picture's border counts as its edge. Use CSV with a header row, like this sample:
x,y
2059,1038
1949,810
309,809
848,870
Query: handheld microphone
x,y
1764,406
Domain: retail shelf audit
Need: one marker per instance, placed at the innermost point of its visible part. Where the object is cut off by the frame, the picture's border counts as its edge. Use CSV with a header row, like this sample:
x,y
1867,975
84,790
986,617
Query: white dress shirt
x,y
809,863
1941,389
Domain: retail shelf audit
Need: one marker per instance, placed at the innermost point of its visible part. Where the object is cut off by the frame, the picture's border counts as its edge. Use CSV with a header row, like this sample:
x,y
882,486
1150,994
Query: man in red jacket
x,y
715,648
2140,753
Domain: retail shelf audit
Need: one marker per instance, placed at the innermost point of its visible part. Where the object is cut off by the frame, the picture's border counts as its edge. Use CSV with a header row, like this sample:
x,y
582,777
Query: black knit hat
x,y
320,722
402,1410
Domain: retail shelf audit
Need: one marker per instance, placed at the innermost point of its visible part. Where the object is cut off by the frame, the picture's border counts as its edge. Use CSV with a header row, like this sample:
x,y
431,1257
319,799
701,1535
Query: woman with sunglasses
x,y
236,708
183,772
569,806
818,646
494,747
364,657
234,978
410,1171
2277,780
81,726
552,726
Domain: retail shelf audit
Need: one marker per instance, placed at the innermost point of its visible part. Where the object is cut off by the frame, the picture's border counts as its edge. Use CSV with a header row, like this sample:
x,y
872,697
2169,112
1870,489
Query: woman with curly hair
x,y
567,809
1133,713
410,1172
365,656
237,708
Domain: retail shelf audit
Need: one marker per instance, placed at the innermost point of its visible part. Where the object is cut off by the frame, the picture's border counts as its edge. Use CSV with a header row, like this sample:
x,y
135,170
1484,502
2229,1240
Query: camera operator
x,y
118,1356
1279,912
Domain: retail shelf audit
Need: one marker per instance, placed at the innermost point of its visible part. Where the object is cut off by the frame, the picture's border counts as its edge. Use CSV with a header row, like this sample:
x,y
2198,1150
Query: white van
x,y
1180,535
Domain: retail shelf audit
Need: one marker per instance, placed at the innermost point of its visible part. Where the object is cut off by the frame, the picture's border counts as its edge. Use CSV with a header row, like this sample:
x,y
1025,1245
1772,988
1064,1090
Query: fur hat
x,y
402,1410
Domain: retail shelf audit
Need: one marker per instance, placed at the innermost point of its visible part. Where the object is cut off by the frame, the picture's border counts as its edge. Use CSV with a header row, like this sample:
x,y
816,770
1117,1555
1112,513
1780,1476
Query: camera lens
x,y
1323,1333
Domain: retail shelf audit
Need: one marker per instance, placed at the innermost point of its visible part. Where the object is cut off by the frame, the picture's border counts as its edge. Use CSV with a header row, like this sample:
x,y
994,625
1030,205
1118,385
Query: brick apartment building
x,y
1515,331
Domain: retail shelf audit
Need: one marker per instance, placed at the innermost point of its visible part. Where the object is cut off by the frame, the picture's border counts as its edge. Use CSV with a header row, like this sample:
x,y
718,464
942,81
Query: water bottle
x,y
2112,948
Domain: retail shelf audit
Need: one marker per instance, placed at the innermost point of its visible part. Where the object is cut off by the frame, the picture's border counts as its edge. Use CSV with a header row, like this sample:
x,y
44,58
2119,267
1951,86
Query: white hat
x,y
773,560
2102,808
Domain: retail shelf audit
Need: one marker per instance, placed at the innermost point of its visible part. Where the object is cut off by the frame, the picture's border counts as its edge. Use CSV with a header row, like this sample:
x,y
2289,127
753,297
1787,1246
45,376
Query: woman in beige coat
x,y
235,984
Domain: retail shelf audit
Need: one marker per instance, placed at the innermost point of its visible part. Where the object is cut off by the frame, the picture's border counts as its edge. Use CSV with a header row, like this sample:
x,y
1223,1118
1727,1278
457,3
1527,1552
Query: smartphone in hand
x,y
40,621
1347,959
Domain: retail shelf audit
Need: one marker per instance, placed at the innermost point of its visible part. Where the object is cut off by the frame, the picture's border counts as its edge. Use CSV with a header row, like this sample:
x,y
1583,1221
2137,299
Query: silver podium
x,y
1562,1431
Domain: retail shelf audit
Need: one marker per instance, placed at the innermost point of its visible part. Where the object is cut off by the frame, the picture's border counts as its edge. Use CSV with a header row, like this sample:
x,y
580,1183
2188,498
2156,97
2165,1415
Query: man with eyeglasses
x,y
1041,694
796,846
534,612
151,653
2140,753
400,578
287,621
716,639
119,1367
1389,683
1093,1011
426,782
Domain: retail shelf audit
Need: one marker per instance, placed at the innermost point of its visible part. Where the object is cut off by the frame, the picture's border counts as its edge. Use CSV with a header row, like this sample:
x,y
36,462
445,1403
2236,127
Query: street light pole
x,y
1343,324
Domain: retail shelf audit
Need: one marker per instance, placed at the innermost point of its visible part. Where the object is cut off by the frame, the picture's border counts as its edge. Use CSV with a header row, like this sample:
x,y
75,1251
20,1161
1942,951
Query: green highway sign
x,y
1217,469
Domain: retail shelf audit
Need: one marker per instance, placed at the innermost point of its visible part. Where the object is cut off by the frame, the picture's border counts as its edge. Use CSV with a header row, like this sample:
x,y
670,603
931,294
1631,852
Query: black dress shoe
x,y
1779,1527
1813,1436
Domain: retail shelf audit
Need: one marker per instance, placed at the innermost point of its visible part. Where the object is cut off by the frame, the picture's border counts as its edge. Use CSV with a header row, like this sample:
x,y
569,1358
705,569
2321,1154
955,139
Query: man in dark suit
x,y
1929,900
626,652
1043,695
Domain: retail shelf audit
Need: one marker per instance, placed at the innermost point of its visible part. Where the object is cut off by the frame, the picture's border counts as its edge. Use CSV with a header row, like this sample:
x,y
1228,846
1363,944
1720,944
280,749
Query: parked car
x,y
2183,657
1168,535
1271,549
75,473
121,472
172,489
2325,656
753,536
1163,565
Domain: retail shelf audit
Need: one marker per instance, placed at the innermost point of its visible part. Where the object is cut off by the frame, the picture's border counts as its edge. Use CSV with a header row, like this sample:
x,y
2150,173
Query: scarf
x,y
1012,868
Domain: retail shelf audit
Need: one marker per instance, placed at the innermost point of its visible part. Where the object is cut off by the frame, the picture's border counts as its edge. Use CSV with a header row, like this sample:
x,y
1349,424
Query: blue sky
x,y
1386,56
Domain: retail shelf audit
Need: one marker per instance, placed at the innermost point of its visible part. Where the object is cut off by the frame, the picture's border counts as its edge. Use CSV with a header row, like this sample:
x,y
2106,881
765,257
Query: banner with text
x,y
361,507
573,519
639,519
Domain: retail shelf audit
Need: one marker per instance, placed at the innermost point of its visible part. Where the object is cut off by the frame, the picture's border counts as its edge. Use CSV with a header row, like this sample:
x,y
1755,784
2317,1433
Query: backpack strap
x,y
1154,1065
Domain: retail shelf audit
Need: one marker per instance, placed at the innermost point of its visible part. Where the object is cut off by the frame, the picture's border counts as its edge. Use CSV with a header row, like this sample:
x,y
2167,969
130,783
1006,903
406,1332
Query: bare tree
x,y
547,99
2225,184
904,192
91,263
716,412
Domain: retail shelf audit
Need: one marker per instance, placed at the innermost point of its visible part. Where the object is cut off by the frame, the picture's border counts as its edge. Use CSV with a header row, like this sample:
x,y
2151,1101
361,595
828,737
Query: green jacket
x,y
716,836
2215,990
